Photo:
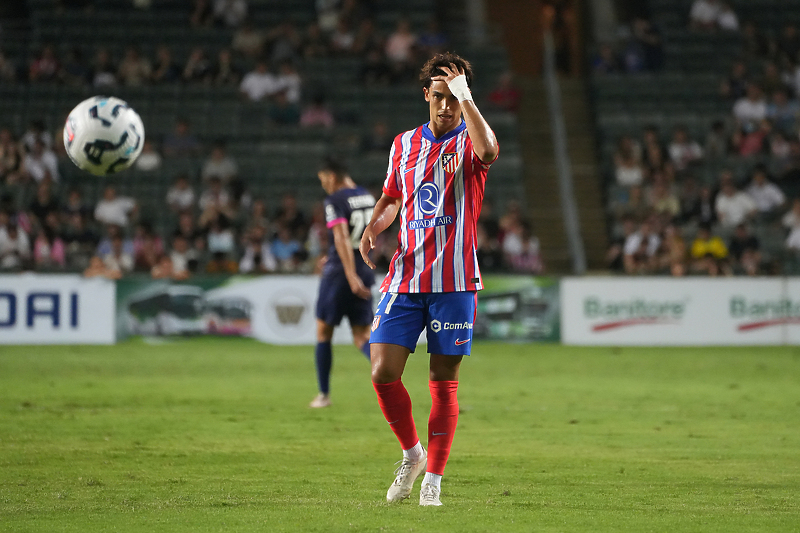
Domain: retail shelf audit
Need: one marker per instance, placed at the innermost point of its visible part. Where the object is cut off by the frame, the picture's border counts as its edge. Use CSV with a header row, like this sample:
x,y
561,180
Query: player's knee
x,y
383,375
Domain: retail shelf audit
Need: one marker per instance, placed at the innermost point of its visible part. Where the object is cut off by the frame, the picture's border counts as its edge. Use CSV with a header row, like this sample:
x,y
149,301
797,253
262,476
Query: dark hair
x,y
335,166
432,67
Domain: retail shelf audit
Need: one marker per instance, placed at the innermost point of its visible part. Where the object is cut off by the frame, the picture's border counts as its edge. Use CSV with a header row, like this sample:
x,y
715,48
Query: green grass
x,y
216,435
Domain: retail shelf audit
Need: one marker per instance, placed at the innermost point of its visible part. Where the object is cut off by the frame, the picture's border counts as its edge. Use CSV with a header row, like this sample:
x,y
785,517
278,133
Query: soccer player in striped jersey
x,y
344,289
435,182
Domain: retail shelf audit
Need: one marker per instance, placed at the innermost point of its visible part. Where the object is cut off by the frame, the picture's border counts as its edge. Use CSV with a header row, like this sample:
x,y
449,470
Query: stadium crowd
x,y
220,228
669,219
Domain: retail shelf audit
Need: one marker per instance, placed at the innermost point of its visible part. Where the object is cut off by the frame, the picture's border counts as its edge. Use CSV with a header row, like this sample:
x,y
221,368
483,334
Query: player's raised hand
x,y
367,244
450,72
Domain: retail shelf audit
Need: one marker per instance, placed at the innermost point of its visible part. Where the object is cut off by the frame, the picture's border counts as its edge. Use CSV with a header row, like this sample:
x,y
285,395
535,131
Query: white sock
x,y
433,479
415,453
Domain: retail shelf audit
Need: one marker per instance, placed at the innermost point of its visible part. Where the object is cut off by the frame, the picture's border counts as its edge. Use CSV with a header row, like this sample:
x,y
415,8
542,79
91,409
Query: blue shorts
x,y
448,318
336,300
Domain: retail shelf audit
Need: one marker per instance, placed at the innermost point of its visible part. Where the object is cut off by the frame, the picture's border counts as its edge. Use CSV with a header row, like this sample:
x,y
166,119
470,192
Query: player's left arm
x,y
484,142
344,247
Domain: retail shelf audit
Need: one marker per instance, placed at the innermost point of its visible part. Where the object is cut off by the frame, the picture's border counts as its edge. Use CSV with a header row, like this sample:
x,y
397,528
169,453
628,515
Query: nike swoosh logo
x,y
459,343
395,422
434,433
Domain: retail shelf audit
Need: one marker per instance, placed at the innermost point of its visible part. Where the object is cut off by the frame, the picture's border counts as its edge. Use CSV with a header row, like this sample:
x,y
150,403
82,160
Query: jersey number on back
x,y
358,221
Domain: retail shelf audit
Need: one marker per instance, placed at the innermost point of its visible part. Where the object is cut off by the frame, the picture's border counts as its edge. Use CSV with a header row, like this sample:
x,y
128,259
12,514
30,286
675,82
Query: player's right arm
x,y
382,217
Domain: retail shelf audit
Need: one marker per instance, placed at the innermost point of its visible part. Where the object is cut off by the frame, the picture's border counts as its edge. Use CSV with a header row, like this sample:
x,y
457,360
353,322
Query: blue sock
x,y
365,350
323,357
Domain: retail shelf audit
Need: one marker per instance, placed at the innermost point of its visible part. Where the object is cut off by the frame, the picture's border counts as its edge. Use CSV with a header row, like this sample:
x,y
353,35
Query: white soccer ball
x,y
103,135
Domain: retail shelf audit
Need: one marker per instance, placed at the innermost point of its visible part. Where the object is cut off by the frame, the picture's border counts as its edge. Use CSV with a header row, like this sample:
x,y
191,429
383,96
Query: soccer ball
x,y
103,135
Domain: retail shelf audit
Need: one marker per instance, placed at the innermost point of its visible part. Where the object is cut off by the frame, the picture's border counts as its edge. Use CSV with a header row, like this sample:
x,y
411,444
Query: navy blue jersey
x,y
354,207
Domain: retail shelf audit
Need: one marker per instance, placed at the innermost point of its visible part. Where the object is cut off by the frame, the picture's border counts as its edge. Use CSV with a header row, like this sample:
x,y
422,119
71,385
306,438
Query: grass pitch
x,y
215,435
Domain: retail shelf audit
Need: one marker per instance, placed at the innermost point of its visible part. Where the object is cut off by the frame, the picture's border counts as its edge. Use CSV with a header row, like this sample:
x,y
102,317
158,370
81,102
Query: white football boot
x,y
321,400
429,495
407,473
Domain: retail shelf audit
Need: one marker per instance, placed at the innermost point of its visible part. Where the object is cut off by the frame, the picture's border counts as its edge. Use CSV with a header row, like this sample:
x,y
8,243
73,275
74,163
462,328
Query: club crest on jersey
x,y
375,322
450,162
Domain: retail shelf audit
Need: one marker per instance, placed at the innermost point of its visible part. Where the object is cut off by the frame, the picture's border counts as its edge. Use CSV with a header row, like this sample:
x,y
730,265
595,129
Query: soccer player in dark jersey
x,y
344,289
435,181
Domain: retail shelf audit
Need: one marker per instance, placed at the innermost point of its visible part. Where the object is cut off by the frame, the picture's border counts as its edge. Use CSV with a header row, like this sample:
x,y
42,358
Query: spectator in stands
x,y
202,14
727,19
314,43
673,253
220,237
75,205
521,249
733,207
751,109
648,39
44,203
11,169
317,239
36,132
745,251
187,229
134,70
118,258
284,112
198,66
735,85
615,254
789,43
148,249
606,61
285,43
317,114
328,12
98,269
755,45
230,13
165,70
375,69
248,41
342,39
289,82
184,259
367,38
45,66
259,83
285,248
716,146
181,142
115,210
505,96
15,246
8,68
258,216
225,72
401,50
181,197
627,163
791,219
258,257
149,160
705,14
684,151
767,196
80,241
640,249
219,164
291,216
103,73
783,112
631,202
709,253
215,201
74,71
432,40
663,201
747,143
41,164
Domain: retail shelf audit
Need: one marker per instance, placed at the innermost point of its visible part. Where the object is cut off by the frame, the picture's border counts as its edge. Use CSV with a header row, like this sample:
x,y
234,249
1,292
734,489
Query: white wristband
x,y
459,88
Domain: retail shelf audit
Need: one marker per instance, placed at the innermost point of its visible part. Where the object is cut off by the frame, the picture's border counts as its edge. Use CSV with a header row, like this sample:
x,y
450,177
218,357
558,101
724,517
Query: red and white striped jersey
x,y
441,183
